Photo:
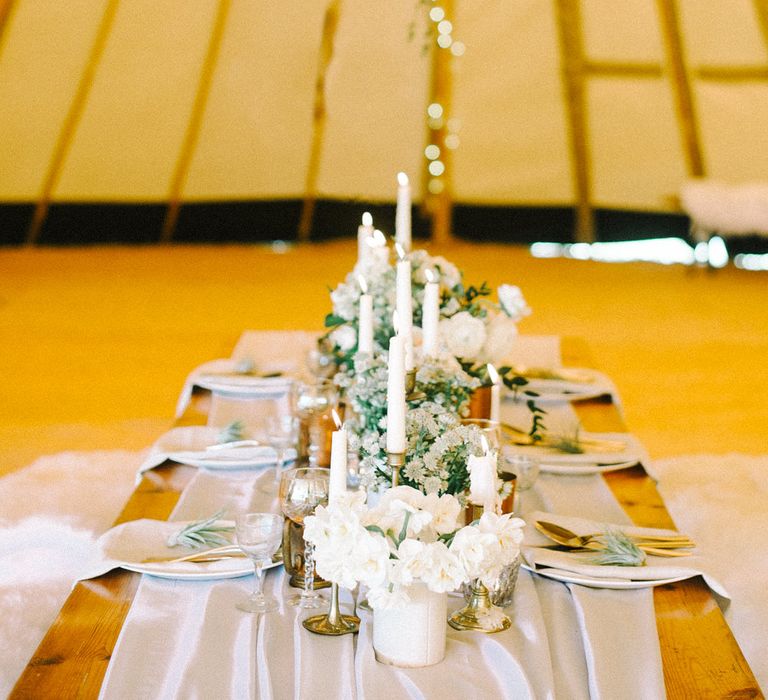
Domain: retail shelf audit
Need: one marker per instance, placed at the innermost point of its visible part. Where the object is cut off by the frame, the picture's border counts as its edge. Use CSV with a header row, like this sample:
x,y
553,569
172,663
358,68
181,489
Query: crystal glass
x,y
321,362
314,401
525,467
282,432
259,536
301,491
490,428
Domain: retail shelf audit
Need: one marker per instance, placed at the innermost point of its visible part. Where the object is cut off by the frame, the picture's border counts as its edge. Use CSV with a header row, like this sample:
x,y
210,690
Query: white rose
x,y
477,551
462,334
345,300
501,333
512,302
441,569
370,560
344,337
445,511
507,530
409,565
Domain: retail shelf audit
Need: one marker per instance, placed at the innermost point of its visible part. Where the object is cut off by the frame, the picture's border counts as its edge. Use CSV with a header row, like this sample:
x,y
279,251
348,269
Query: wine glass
x,y
490,428
314,401
282,433
259,536
301,491
526,468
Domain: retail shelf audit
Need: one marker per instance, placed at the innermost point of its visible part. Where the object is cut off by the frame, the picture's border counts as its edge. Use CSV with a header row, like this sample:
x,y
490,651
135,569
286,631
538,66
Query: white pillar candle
x,y
483,487
430,315
364,232
396,396
495,393
365,319
404,306
337,484
403,212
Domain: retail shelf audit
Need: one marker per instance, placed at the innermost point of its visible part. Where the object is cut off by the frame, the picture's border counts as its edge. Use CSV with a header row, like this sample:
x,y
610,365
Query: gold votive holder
x,y
410,387
480,403
480,614
333,623
395,460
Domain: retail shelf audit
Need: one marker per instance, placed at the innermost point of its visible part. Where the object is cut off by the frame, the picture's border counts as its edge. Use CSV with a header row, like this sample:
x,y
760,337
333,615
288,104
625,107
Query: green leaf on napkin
x,y
618,550
202,533
231,432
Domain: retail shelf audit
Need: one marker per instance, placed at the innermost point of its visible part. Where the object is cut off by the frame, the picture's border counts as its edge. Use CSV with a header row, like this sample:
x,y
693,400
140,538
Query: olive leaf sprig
x,y
202,533
618,550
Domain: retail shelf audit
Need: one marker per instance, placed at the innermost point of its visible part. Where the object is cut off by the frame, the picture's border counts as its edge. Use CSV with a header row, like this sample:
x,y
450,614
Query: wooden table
x,y
700,656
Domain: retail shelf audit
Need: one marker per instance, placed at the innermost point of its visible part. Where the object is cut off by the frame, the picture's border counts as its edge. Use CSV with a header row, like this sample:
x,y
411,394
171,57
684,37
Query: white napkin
x,y
127,545
187,445
656,568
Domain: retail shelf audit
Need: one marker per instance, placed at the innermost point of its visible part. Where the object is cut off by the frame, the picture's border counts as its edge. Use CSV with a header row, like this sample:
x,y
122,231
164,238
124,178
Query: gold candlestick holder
x,y
333,623
410,387
395,460
480,614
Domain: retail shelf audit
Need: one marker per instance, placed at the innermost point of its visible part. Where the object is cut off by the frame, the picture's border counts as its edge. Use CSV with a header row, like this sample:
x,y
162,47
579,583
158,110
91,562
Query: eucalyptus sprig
x,y
202,533
231,432
618,550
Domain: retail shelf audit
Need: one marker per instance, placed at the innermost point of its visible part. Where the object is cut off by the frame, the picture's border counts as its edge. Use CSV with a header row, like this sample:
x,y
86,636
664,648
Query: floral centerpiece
x,y
408,537
438,445
473,329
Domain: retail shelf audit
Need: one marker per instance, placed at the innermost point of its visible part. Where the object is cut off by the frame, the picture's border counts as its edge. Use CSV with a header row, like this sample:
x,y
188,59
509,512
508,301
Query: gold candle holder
x,y
333,623
395,460
480,614
410,387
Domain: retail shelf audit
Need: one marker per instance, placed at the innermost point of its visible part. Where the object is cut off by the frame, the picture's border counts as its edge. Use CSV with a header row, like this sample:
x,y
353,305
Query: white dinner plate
x,y
129,544
248,458
594,468
225,568
244,385
599,582
552,390
632,453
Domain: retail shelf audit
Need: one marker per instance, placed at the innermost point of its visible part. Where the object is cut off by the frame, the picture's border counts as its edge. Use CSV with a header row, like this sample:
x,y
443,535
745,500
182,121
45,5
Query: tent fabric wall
x,y
124,142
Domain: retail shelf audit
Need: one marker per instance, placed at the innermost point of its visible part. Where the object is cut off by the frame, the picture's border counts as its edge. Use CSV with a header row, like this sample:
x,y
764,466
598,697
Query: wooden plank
x,y
700,656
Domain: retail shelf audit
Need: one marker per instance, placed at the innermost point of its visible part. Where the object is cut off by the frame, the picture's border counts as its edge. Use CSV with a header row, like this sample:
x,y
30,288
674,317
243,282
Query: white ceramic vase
x,y
412,635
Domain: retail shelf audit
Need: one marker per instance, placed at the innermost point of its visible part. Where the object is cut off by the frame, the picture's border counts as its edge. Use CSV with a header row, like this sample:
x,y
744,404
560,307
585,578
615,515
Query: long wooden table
x,y
701,658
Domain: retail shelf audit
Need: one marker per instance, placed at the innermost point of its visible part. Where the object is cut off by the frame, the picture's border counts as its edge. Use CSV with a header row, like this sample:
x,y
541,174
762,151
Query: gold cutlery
x,y
658,545
562,374
226,552
521,437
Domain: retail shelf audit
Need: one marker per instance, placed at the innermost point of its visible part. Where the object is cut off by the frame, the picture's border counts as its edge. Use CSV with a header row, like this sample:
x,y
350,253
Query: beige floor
x,y
95,343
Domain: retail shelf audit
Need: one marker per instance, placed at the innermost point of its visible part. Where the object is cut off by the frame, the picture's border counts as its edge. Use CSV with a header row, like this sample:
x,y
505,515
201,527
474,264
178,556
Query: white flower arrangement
x,y
438,445
408,537
473,329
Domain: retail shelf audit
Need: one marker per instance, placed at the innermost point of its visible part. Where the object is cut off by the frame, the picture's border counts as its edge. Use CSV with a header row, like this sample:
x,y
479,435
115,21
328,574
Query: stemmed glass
x,y
314,401
283,433
259,536
526,468
301,491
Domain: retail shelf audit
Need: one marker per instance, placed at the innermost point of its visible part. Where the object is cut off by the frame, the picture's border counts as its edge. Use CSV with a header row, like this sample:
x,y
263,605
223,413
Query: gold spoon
x,y
652,545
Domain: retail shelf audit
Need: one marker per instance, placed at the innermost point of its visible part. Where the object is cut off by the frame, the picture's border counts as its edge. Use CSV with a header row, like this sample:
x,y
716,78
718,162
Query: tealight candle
x,y
495,393
403,212
430,315
337,483
364,232
396,396
365,320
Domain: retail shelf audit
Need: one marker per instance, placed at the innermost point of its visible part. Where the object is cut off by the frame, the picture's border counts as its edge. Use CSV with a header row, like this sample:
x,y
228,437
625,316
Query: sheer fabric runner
x,y
186,639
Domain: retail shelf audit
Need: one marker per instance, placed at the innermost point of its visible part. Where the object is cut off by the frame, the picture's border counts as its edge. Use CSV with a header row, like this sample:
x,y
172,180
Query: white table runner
x,y
186,639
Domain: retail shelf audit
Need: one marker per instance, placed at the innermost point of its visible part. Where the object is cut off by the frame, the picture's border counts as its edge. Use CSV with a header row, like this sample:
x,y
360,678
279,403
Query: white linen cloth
x,y
188,640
